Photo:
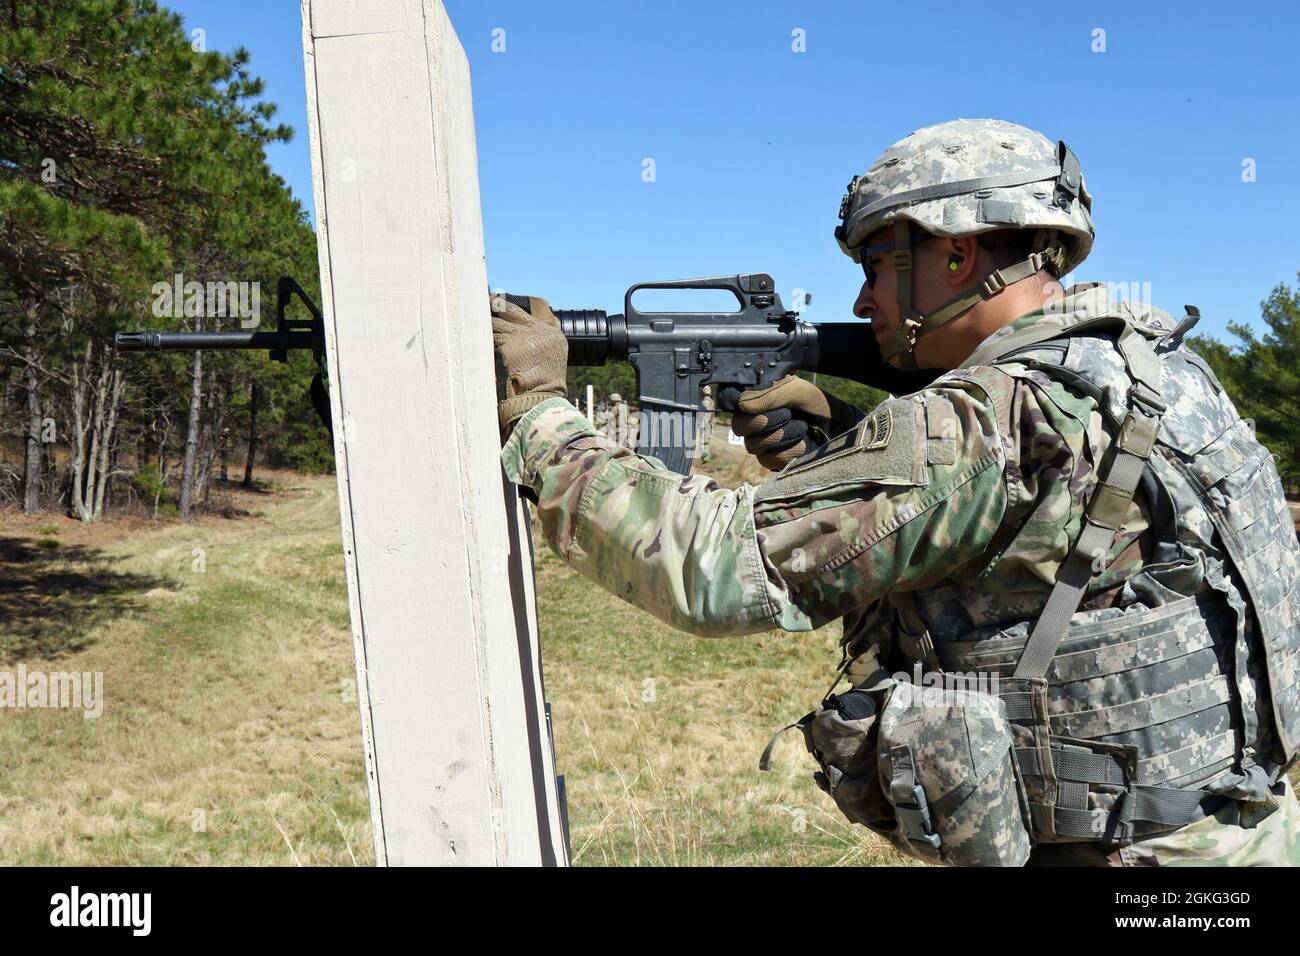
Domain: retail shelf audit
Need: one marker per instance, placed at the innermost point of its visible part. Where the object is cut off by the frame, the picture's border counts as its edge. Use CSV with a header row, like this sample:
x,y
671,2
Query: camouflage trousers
x,y
1217,840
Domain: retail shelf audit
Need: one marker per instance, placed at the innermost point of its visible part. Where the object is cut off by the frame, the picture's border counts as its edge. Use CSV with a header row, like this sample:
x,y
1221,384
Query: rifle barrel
x,y
190,341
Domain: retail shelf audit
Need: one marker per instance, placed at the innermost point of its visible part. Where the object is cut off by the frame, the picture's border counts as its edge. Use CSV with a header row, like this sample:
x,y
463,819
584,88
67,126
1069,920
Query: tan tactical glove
x,y
783,421
531,355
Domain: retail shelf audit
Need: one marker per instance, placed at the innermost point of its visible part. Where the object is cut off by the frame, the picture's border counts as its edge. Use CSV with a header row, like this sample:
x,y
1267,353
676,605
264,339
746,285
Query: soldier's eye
x,y
869,270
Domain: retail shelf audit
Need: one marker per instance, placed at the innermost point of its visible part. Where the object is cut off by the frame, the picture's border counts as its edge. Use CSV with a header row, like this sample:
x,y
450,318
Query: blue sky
x,y
753,143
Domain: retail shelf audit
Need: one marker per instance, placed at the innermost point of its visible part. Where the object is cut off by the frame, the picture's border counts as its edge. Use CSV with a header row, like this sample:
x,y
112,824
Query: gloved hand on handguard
x,y
531,355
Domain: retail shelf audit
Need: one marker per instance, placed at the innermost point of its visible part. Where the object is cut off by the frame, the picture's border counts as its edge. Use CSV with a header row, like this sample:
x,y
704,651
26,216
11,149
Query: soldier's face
x,y
880,303
932,285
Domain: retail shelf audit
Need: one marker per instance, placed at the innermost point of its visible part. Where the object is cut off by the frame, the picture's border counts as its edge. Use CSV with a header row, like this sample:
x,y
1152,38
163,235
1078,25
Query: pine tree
x,y
1262,376
126,156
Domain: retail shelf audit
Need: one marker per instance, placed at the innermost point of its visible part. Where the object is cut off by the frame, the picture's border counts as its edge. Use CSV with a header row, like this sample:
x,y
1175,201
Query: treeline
x,y
132,167
1262,375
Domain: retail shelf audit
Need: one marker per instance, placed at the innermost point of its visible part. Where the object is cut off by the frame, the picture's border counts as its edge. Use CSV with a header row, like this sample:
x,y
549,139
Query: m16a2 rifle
x,y
289,334
674,354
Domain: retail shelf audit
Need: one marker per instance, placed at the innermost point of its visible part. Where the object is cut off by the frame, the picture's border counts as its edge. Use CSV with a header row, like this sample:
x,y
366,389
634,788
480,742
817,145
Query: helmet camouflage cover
x,y
963,178
967,177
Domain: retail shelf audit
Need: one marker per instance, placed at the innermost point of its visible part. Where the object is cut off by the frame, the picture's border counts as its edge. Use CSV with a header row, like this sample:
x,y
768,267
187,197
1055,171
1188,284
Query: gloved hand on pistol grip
x,y
531,356
790,418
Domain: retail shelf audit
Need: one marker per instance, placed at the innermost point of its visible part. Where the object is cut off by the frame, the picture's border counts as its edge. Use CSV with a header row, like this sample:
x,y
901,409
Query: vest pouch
x,y
841,736
947,768
1072,787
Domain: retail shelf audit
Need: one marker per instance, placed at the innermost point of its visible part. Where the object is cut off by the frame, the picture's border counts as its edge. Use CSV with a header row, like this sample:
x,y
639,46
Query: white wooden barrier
x,y
439,564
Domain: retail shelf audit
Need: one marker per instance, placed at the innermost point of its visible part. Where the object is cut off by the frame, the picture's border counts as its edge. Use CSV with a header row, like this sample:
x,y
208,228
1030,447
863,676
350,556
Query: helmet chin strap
x,y
912,324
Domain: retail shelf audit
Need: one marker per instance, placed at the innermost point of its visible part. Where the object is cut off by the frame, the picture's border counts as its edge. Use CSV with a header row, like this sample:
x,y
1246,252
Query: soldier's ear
x,y
960,264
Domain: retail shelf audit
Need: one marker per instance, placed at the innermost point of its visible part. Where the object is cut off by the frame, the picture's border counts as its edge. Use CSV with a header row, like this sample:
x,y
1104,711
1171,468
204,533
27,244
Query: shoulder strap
x,y
1107,508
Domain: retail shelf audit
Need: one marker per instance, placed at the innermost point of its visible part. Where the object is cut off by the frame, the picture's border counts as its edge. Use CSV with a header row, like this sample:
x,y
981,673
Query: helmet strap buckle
x,y
994,283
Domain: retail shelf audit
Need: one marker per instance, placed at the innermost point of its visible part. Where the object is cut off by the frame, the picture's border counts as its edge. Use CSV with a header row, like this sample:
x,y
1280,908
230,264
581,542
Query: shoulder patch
x,y
877,430
881,449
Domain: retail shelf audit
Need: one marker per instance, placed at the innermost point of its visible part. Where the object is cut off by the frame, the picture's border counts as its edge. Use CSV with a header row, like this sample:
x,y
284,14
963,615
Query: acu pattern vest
x,y
1141,717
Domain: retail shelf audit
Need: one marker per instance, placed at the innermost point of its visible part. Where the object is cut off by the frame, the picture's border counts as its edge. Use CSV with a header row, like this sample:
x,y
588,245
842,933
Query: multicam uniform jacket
x,y
943,514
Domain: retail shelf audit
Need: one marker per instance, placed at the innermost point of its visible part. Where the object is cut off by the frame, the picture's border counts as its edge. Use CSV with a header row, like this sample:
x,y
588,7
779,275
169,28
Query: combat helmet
x,y
964,178
615,398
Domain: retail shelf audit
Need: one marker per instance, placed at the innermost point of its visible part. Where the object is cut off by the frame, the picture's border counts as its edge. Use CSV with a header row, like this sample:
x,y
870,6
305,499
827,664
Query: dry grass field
x,y
226,735
230,735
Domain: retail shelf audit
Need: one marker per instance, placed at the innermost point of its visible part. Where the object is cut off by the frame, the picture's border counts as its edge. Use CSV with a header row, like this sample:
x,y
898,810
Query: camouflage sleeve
x,y
682,548
911,496
911,493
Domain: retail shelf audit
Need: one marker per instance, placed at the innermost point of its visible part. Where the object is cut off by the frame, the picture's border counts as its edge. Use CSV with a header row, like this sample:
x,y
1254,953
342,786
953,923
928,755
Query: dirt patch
x,y
226,503
70,532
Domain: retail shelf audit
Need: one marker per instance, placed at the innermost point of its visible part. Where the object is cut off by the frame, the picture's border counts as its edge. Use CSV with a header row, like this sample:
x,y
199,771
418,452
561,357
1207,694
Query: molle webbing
x,y
1149,680
1108,646
1256,530
1162,806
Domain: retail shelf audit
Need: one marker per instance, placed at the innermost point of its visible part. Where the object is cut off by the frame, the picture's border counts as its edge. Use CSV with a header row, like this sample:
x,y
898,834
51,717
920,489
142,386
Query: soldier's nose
x,y
865,304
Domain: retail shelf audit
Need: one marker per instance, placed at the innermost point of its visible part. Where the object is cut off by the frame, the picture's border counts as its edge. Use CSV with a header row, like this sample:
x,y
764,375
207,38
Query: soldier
x,y
1068,504
605,414
632,430
616,423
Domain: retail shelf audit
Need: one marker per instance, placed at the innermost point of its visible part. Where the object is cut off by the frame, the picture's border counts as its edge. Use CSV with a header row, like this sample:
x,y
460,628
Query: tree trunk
x,y
252,435
50,480
114,472
225,433
113,400
77,440
192,440
32,465
207,444
162,470
86,507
